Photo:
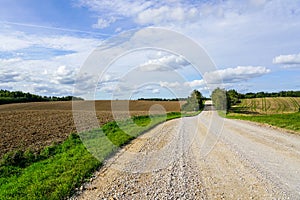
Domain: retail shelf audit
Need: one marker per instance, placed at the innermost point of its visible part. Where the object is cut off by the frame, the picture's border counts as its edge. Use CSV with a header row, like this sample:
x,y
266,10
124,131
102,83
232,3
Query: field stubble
x,y
282,112
269,105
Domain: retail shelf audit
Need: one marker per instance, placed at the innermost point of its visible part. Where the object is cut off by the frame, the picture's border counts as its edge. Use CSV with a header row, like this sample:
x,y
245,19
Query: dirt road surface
x,y
202,157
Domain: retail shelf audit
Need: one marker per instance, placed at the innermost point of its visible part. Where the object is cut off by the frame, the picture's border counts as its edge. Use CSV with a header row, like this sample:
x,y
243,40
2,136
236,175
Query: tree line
x,y
270,94
7,97
224,99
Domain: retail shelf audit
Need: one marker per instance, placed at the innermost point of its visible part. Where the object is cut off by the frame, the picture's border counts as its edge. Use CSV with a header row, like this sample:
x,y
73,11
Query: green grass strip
x,y
51,178
288,121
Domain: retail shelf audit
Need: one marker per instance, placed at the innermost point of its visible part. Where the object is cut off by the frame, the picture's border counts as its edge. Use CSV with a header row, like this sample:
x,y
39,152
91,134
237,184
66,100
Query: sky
x,y
102,48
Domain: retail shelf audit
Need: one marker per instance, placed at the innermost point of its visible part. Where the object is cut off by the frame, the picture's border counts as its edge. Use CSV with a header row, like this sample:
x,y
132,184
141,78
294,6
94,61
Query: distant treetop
x,y
21,97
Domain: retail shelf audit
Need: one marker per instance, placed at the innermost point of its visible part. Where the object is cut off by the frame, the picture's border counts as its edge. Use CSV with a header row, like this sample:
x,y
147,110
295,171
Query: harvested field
x,y
276,105
36,125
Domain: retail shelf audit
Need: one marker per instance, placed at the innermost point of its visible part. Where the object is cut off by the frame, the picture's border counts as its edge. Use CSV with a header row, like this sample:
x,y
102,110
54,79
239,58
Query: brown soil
x,y
36,125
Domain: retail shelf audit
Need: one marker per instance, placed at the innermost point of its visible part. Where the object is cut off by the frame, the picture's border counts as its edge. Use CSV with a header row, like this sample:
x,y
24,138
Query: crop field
x,y
281,112
276,105
36,125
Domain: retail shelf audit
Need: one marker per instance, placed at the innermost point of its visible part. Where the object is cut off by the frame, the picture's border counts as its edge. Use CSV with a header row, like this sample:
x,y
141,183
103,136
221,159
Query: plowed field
x,y
36,125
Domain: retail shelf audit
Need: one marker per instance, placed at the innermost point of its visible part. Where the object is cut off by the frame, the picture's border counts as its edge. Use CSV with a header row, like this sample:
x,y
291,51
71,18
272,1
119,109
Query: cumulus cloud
x,y
145,12
142,12
166,14
165,63
288,60
169,84
234,75
63,75
228,76
42,73
195,83
200,20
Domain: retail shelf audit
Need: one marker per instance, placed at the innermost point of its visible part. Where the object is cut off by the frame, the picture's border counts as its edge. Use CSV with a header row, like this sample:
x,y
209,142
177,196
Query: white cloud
x,y
146,12
10,61
77,44
166,14
103,23
195,83
233,33
47,89
115,7
40,75
292,59
227,76
108,88
142,12
8,75
64,75
234,75
10,42
251,28
165,63
169,84
155,91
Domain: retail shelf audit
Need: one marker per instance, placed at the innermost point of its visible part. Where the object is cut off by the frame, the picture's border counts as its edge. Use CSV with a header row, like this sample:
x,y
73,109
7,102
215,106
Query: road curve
x,y
202,157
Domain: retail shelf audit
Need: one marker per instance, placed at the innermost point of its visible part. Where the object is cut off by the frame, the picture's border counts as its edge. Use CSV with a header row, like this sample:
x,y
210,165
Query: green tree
x,y
20,97
194,102
220,99
233,96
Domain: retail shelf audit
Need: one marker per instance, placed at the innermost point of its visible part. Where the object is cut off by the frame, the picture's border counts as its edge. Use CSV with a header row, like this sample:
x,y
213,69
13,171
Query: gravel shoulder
x,y
190,158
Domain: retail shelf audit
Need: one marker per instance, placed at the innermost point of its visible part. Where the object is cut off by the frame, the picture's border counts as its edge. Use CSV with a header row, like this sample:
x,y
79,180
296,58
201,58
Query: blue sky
x,y
254,45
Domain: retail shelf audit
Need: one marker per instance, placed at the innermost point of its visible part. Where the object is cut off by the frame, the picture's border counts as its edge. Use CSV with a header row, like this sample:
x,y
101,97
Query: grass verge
x,y
55,172
288,121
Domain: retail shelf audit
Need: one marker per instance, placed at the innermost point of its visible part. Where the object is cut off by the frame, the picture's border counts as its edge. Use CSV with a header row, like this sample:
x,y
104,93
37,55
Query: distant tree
x,y
194,102
20,97
220,99
250,95
261,95
234,97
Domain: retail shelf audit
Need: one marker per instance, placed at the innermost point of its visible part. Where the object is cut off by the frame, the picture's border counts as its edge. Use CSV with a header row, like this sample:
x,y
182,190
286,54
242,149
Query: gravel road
x,y
202,157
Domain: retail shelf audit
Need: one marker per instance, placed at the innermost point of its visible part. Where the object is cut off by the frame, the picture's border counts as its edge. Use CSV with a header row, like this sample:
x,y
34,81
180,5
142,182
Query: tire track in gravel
x,y
169,162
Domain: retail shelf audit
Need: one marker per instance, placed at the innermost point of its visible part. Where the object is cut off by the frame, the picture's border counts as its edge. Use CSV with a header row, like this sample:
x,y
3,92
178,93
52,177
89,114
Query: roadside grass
x,y
53,177
287,121
56,171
